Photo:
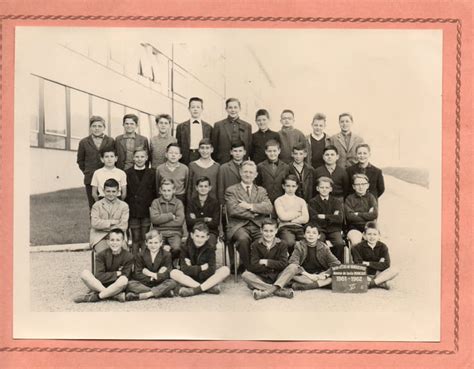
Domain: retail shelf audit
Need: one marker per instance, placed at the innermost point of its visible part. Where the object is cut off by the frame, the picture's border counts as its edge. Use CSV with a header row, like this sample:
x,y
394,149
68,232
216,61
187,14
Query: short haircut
x,y
363,145
300,146
195,98
232,99
310,225
107,149
130,116
116,231
165,116
200,226
269,221
359,176
291,177
288,111
111,183
96,118
261,112
325,179
319,116
173,144
152,234
203,179
330,147
346,115
272,143
236,144
205,141
248,163
371,225
166,182
138,149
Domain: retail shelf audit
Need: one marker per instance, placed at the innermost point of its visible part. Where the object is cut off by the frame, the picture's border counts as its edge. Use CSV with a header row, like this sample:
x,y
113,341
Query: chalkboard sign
x,y
349,278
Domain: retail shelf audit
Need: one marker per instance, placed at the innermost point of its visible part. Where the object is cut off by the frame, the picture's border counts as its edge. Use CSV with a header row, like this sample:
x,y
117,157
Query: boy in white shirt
x,y
108,156
292,212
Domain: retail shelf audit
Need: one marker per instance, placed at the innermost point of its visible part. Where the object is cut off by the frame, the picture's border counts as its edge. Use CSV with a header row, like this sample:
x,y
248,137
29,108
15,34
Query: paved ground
x,y
55,275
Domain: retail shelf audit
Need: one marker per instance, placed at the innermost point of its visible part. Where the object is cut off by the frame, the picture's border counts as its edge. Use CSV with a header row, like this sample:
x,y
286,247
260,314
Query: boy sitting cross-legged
x,y
268,257
151,277
113,269
309,266
198,272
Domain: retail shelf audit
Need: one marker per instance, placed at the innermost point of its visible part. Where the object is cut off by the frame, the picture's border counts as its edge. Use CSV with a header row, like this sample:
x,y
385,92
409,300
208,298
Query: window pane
x,y
116,115
54,108
34,110
99,107
79,114
75,143
144,125
55,142
154,130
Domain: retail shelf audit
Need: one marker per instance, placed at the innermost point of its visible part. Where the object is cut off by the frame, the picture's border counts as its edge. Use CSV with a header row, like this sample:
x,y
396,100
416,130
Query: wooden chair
x,y
225,218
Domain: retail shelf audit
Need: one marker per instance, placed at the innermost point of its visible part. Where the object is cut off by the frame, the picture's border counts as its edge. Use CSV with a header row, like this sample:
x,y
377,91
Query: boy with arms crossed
x,y
113,269
152,271
268,257
108,156
198,272
374,254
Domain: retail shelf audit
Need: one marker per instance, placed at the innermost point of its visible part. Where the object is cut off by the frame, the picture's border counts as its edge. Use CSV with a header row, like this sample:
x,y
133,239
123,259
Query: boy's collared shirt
x,y
195,133
101,175
98,140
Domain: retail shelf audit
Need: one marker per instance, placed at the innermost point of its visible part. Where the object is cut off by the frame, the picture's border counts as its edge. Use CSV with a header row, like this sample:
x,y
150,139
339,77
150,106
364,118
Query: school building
x,y
60,84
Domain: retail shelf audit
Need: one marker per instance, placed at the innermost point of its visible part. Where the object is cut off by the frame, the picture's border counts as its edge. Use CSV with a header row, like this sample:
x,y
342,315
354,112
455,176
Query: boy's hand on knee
x,y
162,269
187,261
167,248
204,267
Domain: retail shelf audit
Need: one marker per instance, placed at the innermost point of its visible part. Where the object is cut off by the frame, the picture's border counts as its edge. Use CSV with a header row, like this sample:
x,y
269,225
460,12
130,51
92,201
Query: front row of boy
x,y
118,275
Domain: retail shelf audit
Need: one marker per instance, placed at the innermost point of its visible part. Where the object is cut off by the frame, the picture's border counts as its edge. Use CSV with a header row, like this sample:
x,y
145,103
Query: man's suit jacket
x,y
141,142
347,154
228,175
238,216
183,136
88,156
270,180
222,138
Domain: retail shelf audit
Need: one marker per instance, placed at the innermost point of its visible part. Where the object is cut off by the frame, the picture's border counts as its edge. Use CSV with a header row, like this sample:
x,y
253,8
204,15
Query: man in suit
x,y
247,205
229,130
192,131
88,152
129,142
346,142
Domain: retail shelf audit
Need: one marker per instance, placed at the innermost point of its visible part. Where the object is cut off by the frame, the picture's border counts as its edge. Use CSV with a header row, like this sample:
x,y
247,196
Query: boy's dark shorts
x,y
139,222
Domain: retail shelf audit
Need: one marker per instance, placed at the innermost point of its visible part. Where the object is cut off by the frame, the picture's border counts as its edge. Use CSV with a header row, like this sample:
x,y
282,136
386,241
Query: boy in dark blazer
x,y
151,277
303,171
229,130
141,191
262,136
229,173
272,171
88,152
192,131
198,271
126,144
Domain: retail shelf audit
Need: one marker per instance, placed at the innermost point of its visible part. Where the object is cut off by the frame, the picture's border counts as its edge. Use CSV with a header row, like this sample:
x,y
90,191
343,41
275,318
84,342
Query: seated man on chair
x,y
247,205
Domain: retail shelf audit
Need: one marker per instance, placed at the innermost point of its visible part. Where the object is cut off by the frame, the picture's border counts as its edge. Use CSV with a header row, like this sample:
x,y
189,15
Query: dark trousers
x,y
244,237
337,243
89,196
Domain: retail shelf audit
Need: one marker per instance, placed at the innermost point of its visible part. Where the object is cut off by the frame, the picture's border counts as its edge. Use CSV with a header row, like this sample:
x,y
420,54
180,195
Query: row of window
x,y
60,118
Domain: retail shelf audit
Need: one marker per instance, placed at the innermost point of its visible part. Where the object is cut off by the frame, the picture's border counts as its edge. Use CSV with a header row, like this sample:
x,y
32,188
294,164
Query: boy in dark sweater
x,y
337,174
113,268
204,208
151,277
326,212
304,171
141,191
262,136
268,257
198,272
309,266
374,254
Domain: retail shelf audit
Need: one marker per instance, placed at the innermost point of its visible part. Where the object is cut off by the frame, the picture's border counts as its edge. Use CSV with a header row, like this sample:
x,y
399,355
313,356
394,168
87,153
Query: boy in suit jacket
x,y
289,135
141,191
198,271
317,141
192,131
332,170
229,173
272,171
346,141
303,171
113,269
262,136
376,181
88,152
247,205
151,277
107,214
126,144
230,130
